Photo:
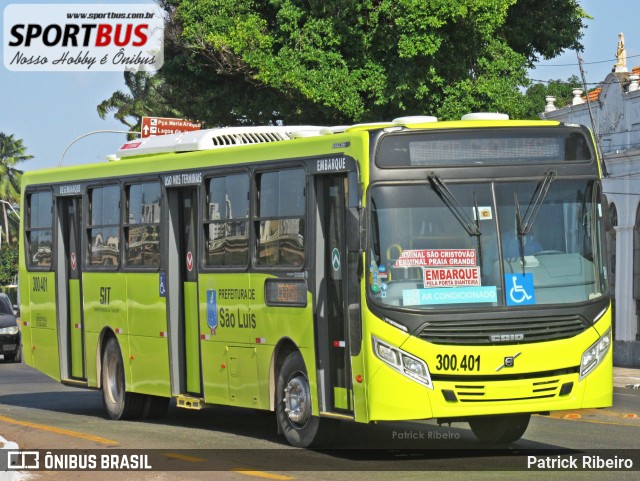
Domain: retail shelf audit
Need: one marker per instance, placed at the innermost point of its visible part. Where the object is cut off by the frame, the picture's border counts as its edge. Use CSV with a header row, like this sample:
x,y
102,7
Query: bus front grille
x,y
497,392
489,332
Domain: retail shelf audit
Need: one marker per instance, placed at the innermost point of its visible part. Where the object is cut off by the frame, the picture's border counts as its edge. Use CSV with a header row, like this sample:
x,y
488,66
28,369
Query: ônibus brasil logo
x,y
83,37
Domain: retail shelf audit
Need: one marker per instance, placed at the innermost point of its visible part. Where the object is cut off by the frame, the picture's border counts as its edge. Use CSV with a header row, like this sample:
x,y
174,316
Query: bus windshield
x,y
425,255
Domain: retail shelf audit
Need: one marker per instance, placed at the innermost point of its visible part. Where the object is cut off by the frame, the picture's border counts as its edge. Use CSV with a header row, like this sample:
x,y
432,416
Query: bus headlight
x,y
403,362
595,354
387,354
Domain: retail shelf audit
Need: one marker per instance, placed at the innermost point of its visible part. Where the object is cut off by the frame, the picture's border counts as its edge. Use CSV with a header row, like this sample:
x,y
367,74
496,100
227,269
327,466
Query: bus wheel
x,y
500,429
293,403
119,403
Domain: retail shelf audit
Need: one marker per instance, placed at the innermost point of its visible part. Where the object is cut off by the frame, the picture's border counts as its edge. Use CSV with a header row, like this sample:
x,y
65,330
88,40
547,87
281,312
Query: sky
x,y
50,110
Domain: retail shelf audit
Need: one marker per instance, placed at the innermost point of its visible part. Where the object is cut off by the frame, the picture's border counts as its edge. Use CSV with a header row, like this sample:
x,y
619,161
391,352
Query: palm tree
x,y
12,152
145,99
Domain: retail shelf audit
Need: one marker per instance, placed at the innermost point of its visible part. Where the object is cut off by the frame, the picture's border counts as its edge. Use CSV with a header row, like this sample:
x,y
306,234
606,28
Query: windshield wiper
x,y
454,206
525,224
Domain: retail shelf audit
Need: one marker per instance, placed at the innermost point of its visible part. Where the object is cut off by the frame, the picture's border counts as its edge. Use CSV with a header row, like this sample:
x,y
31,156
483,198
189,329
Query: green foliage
x,y
544,28
8,263
12,153
492,91
560,89
230,62
146,97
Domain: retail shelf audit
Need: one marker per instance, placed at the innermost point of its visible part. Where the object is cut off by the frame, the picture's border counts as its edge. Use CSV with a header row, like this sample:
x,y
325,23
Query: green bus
x,y
403,270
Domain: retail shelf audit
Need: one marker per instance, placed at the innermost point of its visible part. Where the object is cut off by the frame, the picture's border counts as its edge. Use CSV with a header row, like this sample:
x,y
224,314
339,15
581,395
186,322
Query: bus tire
x,y
502,429
293,403
119,403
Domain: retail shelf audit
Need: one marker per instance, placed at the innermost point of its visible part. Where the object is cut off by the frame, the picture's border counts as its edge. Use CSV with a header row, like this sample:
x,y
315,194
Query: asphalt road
x,y
229,443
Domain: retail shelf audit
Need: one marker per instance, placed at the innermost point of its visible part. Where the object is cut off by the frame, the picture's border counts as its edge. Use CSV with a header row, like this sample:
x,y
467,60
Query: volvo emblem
x,y
508,361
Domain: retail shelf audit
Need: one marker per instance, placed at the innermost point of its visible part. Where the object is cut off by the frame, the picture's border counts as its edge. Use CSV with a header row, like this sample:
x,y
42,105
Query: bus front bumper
x,y
392,396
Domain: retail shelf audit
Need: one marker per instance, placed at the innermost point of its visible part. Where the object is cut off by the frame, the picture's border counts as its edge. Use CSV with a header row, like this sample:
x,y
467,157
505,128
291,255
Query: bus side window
x,y
103,234
39,229
142,225
280,218
226,225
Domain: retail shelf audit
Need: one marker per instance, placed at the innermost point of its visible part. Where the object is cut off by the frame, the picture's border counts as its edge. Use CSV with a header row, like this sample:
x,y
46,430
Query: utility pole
x,y
596,134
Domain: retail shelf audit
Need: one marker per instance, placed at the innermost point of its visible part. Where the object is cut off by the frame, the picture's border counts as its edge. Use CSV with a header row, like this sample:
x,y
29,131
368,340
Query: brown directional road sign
x,y
152,126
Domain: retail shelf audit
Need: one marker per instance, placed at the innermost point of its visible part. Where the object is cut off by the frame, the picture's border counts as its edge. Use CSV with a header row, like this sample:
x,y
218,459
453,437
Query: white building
x,y
615,108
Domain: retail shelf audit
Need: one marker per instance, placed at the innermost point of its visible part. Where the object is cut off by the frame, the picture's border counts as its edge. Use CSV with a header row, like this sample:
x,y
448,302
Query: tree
x,y
560,89
12,153
8,264
145,98
243,61
544,28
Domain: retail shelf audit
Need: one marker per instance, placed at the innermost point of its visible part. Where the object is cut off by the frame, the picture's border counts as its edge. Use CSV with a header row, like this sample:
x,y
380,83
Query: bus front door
x,y
182,266
69,279
332,313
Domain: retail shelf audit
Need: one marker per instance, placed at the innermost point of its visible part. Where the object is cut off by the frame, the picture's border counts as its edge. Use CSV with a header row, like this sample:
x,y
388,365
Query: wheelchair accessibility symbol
x,y
520,290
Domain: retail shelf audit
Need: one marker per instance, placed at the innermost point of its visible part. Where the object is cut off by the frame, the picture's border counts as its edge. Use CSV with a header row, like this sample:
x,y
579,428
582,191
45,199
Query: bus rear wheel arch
x,y
501,429
293,403
119,403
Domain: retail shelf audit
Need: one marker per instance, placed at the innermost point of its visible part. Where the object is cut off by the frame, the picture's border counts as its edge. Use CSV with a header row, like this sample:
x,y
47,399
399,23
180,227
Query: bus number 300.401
x,y
450,362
